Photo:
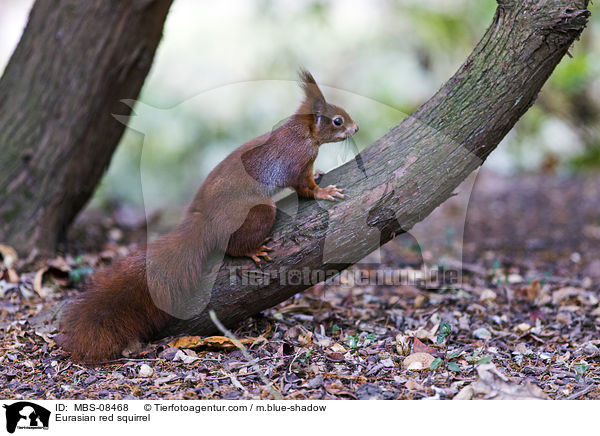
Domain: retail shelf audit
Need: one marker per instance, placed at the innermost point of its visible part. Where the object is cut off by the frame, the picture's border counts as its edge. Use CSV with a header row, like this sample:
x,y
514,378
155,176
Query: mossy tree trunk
x,y
75,61
416,166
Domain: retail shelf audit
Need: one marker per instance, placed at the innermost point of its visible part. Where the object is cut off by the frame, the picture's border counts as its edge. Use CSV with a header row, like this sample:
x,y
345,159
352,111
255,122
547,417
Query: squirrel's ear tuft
x,y
314,101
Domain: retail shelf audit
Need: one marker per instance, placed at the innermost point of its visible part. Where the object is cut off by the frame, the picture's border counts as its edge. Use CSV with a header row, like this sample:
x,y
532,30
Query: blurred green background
x,y
224,73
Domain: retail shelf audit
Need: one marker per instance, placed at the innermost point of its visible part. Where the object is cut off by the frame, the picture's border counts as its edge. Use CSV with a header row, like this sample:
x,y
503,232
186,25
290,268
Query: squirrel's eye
x,y
338,121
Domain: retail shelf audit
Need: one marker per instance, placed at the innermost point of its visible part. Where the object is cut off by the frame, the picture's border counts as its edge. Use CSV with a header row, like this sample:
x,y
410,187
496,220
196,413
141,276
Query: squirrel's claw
x,y
329,193
260,252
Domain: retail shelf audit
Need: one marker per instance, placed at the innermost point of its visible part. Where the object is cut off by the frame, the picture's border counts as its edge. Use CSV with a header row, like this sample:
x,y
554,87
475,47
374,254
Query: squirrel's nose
x,y
355,128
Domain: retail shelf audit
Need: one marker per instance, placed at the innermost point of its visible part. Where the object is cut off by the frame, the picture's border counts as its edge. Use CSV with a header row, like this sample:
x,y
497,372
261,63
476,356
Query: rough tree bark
x,y
417,165
75,61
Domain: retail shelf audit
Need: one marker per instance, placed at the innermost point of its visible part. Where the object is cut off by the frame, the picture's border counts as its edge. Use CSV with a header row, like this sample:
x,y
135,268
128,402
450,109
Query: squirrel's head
x,y
328,122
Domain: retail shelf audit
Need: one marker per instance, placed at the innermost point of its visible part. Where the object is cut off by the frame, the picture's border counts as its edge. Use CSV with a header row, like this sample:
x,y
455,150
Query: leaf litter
x,y
523,324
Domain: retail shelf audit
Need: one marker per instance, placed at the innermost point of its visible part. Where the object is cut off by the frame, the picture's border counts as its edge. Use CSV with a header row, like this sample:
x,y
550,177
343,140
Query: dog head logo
x,y
26,415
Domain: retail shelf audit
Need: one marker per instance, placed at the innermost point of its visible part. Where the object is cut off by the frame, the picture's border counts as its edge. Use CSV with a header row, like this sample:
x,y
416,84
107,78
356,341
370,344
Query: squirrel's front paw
x,y
328,193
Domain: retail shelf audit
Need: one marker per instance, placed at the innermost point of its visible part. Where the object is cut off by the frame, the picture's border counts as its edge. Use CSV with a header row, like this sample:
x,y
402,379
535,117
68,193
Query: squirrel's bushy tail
x,y
115,309
120,304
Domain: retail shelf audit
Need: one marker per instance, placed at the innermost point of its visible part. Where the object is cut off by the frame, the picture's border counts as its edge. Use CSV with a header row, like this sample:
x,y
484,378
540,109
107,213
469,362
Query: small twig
x,y
582,392
213,316
64,369
130,359
294,359
245,365
228,376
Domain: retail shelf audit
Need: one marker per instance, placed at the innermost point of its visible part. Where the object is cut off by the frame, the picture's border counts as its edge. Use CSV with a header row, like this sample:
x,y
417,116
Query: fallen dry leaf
x,y
39,278
337,388
210,341
59,263
335,357
9,255
420,301
492,384
565,293
420,347
423,333
466,393
295,308
532,290
487,296
413,385
523,327
402,345
306,339
12,276
338,348
418,361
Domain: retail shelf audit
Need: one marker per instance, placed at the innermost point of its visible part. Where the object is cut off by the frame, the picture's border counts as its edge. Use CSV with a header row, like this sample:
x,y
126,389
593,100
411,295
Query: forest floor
x,y
522,321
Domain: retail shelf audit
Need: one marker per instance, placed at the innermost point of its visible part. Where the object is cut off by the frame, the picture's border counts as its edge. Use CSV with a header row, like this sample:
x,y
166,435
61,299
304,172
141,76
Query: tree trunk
x,y
76,60
413,168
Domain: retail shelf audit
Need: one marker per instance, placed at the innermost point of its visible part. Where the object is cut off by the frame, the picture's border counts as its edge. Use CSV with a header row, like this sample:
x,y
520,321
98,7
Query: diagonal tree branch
x,y
414,167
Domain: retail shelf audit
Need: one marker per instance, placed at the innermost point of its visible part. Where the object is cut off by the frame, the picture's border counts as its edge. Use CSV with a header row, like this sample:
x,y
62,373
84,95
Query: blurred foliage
x,y
380,59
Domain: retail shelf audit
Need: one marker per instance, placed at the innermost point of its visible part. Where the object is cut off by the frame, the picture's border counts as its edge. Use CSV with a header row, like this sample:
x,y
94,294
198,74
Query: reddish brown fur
x,y
232,211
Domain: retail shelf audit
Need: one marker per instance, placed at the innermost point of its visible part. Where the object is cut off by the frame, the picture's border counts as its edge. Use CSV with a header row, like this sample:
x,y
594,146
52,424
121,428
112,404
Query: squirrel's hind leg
x,y
249,239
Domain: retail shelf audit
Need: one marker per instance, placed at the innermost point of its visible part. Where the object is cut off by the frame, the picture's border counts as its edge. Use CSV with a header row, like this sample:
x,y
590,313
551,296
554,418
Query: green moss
x,y
587,160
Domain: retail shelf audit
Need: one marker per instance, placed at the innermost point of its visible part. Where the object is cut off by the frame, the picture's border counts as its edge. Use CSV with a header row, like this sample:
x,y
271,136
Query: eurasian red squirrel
x,y
132,299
